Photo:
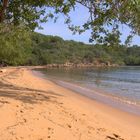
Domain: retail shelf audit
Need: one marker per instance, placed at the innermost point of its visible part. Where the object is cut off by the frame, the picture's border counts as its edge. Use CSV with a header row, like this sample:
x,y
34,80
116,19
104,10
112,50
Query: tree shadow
x,y
27,95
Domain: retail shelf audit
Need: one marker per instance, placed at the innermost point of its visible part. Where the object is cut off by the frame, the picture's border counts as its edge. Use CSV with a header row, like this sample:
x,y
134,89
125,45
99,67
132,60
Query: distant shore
x,y
82,65
33,108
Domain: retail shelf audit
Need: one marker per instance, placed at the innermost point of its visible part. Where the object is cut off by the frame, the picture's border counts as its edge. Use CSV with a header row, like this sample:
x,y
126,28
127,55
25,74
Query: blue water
x,y
122,82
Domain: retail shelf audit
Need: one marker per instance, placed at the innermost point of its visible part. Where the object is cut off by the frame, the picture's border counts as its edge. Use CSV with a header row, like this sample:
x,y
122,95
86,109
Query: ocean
x,y
115,86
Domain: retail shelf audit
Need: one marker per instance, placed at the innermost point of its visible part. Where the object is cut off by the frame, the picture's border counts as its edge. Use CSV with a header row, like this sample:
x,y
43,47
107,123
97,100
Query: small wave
x,y
79,88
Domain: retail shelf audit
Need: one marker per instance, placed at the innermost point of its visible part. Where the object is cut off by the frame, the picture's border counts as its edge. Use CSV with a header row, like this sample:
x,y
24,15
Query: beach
x,y
33,108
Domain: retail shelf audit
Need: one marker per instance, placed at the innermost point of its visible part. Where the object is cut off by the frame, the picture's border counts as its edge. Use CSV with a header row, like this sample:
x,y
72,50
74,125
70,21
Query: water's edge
x,y
126,106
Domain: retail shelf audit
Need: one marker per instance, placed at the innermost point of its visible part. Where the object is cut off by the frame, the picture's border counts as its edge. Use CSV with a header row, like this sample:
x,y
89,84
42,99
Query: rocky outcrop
x,y
82,65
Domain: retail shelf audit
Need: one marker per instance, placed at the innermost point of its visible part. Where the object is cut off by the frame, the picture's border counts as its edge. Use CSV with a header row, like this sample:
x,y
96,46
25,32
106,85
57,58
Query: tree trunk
x,y
3,9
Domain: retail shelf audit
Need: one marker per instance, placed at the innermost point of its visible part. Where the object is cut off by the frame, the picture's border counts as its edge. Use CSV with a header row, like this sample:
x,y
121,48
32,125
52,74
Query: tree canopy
x,y
37,49
102,14
20,46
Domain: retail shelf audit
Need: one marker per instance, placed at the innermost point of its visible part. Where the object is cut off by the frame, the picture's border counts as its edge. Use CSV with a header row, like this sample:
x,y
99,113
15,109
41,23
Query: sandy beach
x,y
32,108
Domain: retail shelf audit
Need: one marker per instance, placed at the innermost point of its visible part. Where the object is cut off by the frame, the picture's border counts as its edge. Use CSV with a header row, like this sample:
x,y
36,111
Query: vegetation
x,y
19,45
104,15
133,56
15,44
32,48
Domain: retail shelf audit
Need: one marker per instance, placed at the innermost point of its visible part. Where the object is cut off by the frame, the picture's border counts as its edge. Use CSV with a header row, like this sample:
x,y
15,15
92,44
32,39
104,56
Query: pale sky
x,y
78,17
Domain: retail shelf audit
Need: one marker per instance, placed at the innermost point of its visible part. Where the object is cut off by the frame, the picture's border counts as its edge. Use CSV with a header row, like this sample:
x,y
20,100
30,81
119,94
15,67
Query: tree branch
x,y
3,9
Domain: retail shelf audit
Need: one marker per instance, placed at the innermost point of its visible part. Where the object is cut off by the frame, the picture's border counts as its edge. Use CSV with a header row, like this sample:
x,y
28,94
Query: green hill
x,y
38,49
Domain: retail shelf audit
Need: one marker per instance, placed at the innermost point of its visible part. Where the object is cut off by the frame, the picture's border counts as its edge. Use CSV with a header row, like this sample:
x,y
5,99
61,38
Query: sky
x,y
79,16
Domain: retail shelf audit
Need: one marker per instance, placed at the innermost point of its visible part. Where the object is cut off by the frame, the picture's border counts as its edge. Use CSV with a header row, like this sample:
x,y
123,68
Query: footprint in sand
x,y
101,129
24,120
83,114
21,111
69,126
114,137
50,132
4,102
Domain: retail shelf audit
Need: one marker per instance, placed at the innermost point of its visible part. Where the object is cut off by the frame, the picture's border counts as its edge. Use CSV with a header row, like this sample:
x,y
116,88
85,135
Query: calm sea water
x,y
122,83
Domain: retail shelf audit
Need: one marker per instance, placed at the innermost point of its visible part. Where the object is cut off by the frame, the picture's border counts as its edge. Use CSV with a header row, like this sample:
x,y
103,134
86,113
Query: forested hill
x,y
40,49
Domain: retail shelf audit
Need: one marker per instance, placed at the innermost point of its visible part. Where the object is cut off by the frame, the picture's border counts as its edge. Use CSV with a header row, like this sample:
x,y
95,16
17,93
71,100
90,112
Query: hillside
x,y
38,49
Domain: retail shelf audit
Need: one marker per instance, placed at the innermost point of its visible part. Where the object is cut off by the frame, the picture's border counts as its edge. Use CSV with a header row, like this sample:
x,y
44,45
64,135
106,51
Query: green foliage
x,y
15,45
50,50
103,14
133,56
31,12
109,14
21,47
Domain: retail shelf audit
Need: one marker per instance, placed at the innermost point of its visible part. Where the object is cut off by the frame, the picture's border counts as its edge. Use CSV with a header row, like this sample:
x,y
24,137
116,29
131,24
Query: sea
x,y
118,87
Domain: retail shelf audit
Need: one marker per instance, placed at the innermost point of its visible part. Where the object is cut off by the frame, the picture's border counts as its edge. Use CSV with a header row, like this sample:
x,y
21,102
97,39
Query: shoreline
x,y
37,108
95,94
99,96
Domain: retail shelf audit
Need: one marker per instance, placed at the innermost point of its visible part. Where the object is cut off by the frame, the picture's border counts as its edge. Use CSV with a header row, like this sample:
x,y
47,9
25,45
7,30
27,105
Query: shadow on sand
x,y
27,95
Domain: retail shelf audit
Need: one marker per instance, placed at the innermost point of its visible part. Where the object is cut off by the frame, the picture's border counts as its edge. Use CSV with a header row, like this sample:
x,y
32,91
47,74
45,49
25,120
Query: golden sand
x,y
32,108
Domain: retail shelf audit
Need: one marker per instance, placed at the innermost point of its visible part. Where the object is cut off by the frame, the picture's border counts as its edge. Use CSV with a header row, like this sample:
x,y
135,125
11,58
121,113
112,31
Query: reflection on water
x,y
123,82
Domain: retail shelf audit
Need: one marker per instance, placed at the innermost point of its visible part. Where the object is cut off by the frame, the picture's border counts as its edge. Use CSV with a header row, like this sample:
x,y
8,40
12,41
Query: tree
x,y
31,12
15,45
102,14
107,14
112,39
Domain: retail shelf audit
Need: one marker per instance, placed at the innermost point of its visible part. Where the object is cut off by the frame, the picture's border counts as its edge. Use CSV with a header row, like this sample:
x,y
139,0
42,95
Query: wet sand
x,y
32,108
101,96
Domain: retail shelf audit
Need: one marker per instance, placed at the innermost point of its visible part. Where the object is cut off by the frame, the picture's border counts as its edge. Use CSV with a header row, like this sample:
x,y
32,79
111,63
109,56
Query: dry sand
x,y
32,108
